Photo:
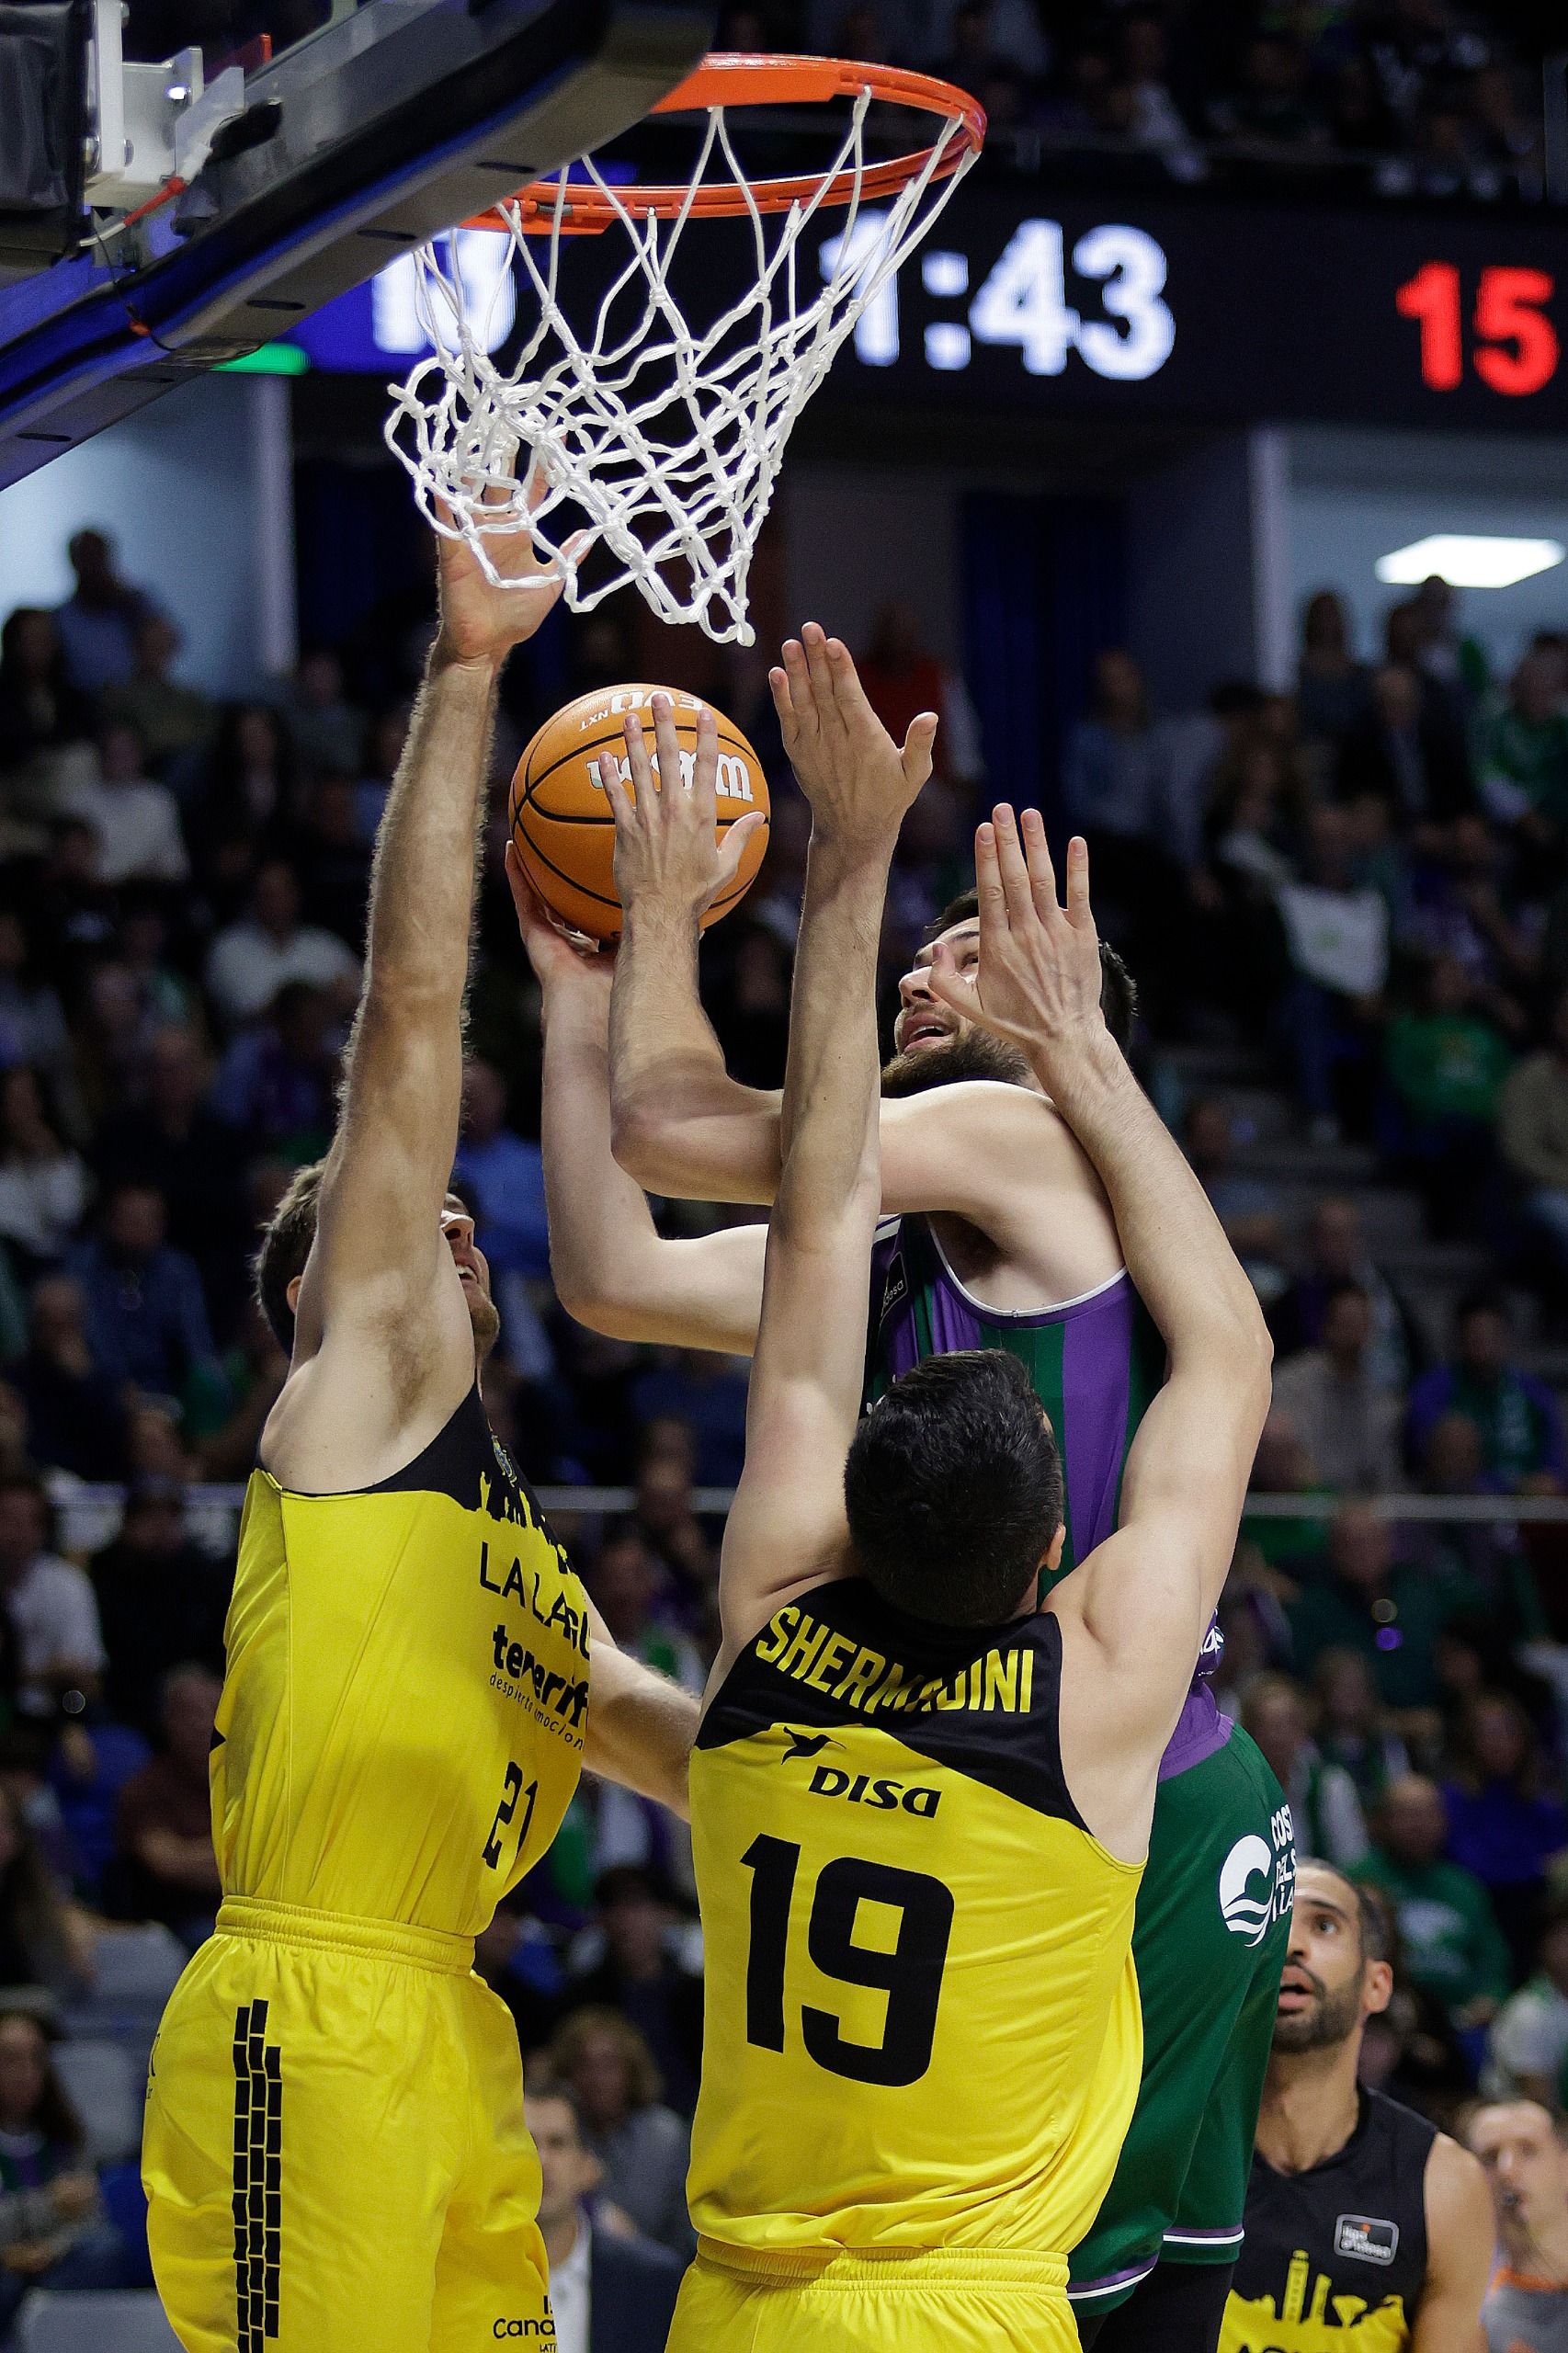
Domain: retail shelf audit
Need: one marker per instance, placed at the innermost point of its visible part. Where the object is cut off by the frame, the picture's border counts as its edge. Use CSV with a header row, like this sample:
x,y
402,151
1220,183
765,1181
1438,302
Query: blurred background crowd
x,y
1347,906
1391,98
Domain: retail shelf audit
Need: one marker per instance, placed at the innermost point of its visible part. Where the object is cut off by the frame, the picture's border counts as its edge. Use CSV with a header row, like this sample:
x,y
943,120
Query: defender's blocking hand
x,y
1037,983
481,620
857,781
560,958
669,854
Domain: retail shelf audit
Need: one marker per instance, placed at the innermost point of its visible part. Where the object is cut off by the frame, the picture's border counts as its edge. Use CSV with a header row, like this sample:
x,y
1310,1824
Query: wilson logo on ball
x,y
560,815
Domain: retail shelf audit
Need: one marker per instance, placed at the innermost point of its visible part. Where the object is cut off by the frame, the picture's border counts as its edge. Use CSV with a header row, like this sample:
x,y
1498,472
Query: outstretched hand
x,y
858,781
481,619
559,958
1037,982
669,853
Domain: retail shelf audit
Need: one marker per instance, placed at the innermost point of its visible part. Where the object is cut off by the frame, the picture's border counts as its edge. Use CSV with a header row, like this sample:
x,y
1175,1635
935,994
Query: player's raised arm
x,y
787,1526
383,1346
1147,1594
612,1267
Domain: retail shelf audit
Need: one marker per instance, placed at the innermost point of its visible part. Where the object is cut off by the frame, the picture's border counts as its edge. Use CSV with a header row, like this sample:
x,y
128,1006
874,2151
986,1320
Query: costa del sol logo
x,y
1258,1879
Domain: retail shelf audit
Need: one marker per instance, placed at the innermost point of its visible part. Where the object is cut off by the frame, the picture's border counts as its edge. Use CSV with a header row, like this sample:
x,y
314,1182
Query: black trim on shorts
x,y
259,2178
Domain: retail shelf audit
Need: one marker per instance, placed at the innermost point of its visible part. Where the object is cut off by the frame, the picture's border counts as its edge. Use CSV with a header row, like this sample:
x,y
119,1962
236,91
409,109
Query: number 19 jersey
x,y
922,2025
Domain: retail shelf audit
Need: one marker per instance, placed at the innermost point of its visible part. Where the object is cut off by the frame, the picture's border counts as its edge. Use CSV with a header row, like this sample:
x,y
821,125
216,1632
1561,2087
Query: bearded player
x,y
1356,2207
1004,1238
336,2154
920,1801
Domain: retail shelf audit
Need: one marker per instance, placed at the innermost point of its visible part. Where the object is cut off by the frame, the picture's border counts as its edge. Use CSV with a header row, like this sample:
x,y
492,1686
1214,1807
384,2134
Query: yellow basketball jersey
x,y
922,2023
402,1726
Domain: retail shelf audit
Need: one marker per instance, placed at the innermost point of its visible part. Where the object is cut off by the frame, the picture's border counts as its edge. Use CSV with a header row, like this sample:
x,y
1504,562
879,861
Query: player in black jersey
x,y
1362,2218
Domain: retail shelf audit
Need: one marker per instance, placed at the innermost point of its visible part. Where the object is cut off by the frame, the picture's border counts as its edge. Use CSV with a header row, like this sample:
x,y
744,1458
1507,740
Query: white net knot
x,y
655,441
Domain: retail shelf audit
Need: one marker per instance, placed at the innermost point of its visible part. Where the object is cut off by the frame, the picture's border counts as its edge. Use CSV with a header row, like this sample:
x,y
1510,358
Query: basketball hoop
x,y
667,436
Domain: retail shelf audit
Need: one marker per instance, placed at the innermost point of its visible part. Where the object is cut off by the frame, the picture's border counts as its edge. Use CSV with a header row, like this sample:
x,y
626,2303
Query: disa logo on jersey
x,y
859,1789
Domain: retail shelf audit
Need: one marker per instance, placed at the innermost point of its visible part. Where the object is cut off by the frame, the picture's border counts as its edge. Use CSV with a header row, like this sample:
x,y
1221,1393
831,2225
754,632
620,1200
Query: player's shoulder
x,y
1456,2184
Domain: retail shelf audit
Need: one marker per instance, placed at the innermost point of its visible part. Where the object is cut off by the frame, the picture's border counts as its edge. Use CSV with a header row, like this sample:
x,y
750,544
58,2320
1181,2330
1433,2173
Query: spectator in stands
x,y
54,2233
1348,1420
252,959
1533,1132
669,1525
1405,754
384,743
642,2147
1336,929
332,862
135,820
1521,1428
1270,114
242,796
643,1977
1523,747
1503,1823
146,1318
1247,1207
1117,790
1351,1731
174,1141
707,1391
165,1814
608,2293
1452,1945
99,620
43,1183
326,730
1337,1256
1332,693
73,1408
1378,1606
160,1602
1528,2047
1524,2148
1325,1807
170,721
1445,1066
277,1083
503,1176
49,1602
1154,120
42,711
45,1940
628,1584
32,1020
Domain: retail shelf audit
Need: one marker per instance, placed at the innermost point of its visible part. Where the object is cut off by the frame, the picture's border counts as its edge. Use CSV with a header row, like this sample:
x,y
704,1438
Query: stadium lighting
x,y
1468,559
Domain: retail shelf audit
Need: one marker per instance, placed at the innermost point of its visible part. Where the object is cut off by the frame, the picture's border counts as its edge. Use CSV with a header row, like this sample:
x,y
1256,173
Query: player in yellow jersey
x,y
336,2156
920,1803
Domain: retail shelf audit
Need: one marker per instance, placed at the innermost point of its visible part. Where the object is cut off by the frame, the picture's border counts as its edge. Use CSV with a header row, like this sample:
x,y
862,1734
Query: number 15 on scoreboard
x,y
1514,348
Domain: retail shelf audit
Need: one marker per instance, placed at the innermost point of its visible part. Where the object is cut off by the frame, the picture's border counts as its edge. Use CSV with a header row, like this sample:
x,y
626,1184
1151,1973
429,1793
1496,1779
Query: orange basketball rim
x,y
734,79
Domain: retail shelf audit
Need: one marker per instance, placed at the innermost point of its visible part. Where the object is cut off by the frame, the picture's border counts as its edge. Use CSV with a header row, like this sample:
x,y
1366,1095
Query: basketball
x,y
561,818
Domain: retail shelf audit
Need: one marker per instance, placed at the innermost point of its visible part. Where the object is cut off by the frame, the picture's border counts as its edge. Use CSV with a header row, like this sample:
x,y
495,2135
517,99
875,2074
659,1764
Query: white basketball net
x,y
668,438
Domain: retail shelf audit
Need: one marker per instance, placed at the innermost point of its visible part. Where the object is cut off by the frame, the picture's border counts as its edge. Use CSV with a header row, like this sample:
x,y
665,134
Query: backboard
x,y
308,171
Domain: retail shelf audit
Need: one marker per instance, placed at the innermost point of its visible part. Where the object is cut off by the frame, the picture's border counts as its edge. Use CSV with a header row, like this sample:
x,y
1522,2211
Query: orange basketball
x,y
561,816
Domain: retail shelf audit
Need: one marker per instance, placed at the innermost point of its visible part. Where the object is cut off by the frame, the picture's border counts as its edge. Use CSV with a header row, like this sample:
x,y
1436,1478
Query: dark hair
x,y
1479,1302
1374,1921
54,2117
954,1489
285,1246
1118,990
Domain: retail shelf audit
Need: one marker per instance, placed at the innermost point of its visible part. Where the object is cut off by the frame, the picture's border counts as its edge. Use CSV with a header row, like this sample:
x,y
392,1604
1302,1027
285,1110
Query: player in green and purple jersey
x,y
1002,1237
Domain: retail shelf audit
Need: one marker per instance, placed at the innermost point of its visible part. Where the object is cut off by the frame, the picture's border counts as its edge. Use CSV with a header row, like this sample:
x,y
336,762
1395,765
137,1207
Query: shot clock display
x,y
1179,306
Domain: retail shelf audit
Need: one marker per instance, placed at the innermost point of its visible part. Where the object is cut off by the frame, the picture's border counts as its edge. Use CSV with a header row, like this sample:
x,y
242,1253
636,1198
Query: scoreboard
x,y
1181,307
1172,306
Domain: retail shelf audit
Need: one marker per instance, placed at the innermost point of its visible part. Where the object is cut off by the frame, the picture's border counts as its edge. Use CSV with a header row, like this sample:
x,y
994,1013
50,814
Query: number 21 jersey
x,y
922,2023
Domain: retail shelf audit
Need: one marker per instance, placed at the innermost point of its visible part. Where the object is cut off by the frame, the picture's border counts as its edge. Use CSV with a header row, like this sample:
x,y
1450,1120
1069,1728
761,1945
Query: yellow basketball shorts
x,y
335,2154
969,2300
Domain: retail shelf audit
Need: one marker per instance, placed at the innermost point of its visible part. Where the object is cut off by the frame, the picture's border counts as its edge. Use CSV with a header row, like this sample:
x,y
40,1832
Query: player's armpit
x,y
1459,2231
639,1724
